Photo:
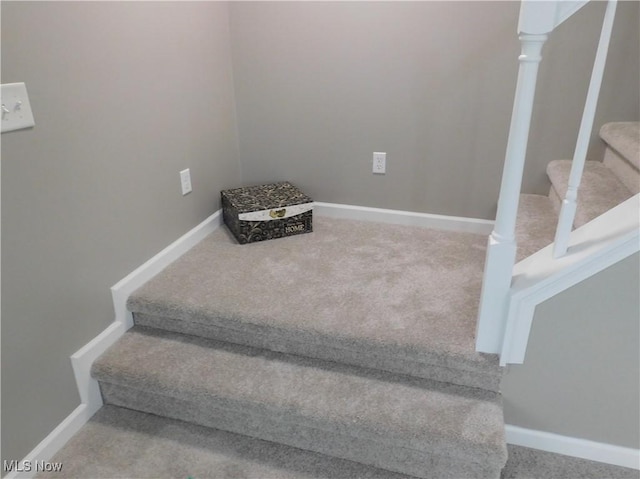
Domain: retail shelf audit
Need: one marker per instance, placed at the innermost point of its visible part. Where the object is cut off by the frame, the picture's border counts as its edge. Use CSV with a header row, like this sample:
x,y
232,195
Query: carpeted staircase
x,y
355,341
604,184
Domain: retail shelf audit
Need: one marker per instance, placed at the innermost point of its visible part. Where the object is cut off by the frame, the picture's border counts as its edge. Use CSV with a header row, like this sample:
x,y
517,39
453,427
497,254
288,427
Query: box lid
x,y
265,197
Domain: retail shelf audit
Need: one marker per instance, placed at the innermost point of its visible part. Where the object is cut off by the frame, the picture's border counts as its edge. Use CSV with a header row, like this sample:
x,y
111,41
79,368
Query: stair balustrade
x,y
569,203
537,20
501,250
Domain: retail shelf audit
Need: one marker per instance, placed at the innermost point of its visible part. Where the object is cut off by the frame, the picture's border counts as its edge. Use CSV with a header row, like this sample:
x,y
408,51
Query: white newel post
x,y
501,250
569,203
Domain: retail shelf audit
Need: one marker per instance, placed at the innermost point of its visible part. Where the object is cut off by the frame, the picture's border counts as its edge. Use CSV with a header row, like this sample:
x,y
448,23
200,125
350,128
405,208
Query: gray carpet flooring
x,y
383,297
410,425
536,226
120,443
600,189
396,298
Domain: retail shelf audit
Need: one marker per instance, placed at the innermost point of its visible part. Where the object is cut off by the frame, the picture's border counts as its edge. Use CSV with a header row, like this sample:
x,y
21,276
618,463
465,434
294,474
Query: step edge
x,y
590,165
443,443
560,187
101,364
386,458
128,376
610,138
367,360
626,172
489,365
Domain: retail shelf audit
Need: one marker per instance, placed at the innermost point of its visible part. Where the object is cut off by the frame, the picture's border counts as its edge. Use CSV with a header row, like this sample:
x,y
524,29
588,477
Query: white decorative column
x,y
501,250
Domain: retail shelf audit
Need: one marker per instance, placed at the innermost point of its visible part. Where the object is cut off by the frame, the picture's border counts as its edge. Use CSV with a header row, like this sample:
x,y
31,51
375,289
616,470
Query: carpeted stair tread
x,y
398,298
356,414
148,446
599,189
536,224
623,137
121,443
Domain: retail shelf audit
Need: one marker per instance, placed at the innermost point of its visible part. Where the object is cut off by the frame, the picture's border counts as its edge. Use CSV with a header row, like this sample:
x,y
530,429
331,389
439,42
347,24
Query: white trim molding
x,y
407,218
120,292
543,17
123,288
52,443
573,446
82,360
593,247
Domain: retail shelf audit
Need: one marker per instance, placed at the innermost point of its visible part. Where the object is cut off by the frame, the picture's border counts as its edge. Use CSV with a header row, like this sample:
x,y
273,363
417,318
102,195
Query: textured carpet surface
x,y
120,443
599,190
624,137
290,398
396,296
628,174
536,224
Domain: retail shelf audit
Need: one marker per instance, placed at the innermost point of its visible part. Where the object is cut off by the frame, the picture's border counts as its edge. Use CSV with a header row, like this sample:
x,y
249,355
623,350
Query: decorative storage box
x,y
257,213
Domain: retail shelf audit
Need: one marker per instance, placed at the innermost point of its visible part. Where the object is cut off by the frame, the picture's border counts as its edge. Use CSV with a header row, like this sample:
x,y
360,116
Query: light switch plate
x,y
16,109
185,181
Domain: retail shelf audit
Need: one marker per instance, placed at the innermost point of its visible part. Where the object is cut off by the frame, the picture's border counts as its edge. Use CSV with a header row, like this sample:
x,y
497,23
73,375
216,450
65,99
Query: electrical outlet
x,y
185,181
379,163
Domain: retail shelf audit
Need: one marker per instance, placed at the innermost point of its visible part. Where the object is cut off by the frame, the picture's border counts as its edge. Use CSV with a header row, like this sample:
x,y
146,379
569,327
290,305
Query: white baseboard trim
x,y
573,446
121,290
52,443
84,358
81,360
408,218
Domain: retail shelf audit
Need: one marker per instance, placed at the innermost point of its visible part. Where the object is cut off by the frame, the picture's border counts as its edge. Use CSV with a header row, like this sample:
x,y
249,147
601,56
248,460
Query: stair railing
x,y
537,20
569,203
501,250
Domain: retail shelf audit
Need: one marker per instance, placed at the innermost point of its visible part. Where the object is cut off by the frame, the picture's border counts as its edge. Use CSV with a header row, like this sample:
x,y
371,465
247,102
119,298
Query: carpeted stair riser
x,y
368,355
383,456
628,175
536,224
624,138
556,201
417,427
599,190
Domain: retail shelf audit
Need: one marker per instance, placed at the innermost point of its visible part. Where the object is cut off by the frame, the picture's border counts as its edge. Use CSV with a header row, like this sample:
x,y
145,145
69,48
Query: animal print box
x,y
257,213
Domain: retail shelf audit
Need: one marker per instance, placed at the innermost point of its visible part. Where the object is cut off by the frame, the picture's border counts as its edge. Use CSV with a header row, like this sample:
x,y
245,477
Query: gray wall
x,y
322,85
581,375
125,94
